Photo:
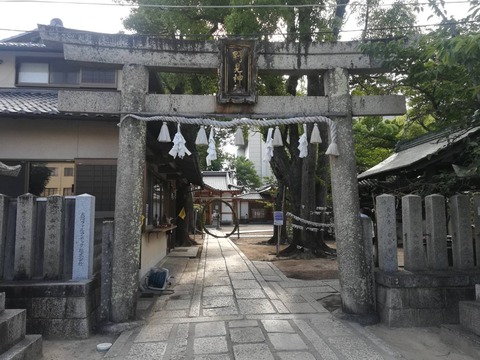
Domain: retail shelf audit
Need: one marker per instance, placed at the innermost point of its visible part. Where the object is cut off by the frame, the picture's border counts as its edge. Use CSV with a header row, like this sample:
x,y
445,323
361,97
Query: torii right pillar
x,y
355,272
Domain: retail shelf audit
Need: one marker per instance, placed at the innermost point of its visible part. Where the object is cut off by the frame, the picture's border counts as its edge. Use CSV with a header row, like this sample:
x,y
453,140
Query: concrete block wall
x,y
57,310
407,299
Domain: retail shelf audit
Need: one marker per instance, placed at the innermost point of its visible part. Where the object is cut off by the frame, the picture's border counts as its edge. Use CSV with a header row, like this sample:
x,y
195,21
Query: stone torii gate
x,y
137,55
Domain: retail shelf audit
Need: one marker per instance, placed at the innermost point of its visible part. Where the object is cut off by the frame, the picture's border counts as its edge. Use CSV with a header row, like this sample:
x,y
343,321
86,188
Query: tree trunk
x,y
184,206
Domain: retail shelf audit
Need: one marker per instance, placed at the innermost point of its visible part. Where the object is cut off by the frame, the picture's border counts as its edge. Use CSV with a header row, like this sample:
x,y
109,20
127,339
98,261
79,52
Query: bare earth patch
x,y
257,249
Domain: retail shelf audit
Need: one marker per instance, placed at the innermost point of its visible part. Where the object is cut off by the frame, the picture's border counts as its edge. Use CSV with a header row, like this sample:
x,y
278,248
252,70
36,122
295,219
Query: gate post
x,y
357,296
129,195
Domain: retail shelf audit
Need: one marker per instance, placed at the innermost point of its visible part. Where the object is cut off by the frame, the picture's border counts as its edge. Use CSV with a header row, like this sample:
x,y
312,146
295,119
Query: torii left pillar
x,y
129,196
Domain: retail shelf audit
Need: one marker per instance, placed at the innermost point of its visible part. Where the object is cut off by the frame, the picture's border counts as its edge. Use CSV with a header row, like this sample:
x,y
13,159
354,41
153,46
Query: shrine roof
x,y
416,152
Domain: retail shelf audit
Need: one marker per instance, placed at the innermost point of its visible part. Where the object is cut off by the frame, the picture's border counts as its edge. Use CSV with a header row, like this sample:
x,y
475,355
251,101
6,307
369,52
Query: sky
x,y
23,15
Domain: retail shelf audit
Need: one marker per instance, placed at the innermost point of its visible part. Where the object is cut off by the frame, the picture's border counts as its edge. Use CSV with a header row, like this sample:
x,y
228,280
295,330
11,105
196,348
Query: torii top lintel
x,y
187,55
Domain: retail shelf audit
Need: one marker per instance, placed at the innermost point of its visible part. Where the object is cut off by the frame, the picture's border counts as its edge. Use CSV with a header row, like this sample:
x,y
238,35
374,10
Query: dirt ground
x,y
256,248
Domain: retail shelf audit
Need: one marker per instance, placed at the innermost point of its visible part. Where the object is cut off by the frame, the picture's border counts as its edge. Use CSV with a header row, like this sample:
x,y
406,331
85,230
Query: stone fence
x,y
441,258
50,262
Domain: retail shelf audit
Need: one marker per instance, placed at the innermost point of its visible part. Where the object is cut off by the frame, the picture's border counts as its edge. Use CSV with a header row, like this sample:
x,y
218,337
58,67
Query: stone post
x,y
436,232
23,263
352,264
3,231
414,253
386,233
461,232
106,278
54,238
367,235
476,221
83,241
129,196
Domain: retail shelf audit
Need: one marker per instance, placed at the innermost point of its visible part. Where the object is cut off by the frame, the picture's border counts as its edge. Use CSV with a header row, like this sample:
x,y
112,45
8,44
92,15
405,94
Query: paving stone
x,y
217,290
319,344
242,323
353,348
284,341
287,298
281,308
213,357
246,284
252,352
210,345
295,355
282,326
178,304
244,275
249,294
150,333
272,278
210,329
174,313
300,308
218,301
330,327
229,310
247,335
216,281
147,351
255,306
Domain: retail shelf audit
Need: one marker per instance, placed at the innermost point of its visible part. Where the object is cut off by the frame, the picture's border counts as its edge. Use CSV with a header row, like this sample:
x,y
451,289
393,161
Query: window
x,y
68,171
63,74
98,76
67,191
49,191
33,73
54,72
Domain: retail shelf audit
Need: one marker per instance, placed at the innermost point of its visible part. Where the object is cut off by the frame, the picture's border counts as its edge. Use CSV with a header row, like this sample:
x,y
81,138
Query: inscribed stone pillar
x,y
3,231
386,233
83,240
129,196
23,263
54,238
106,285
353,266
461,232
476,221
436,232
414,253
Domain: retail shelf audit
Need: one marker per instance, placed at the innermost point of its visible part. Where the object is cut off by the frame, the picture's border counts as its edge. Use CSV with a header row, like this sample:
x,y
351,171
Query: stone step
x,y
469,315
2,302
461,339
30,348
12,328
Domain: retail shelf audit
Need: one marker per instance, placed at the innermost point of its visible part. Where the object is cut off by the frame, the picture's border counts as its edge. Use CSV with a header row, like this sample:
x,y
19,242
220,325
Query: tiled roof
x,y
16,46
28,102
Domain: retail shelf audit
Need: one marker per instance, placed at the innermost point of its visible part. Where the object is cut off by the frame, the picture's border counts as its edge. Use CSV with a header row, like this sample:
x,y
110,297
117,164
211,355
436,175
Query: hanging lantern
x,y
315,138
179,149
212,153
239,141
277,137
201,136
164,135
303,143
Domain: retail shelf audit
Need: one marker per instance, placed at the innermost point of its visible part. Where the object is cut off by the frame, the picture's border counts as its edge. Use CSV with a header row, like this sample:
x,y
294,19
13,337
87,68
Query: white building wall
x,y
57,139
254,151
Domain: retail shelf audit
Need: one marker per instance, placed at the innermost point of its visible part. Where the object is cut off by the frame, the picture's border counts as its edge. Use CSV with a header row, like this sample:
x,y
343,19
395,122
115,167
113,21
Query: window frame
x,y
54,64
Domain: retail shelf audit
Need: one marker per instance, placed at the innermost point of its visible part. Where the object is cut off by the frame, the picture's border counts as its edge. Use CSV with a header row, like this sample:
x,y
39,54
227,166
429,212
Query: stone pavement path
x,y
225,306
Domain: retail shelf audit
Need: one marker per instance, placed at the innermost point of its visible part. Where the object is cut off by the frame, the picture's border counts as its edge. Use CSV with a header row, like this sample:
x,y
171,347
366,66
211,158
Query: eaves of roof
x,y
415,154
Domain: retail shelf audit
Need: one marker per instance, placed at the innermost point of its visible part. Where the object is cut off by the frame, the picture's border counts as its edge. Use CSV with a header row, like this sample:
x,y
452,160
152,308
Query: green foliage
x,y
245,173
375,140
